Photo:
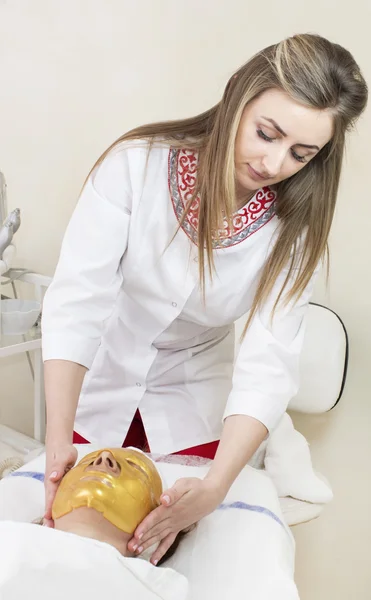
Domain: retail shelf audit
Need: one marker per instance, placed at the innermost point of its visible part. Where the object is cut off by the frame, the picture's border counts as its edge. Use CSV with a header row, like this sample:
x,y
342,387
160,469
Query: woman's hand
x,y
188,501
59,459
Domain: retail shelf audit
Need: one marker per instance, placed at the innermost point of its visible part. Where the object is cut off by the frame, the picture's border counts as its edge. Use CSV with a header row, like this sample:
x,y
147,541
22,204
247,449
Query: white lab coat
x,y
128,306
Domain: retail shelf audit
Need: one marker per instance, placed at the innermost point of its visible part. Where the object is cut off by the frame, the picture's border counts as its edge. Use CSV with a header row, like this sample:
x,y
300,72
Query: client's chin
x,y
88,522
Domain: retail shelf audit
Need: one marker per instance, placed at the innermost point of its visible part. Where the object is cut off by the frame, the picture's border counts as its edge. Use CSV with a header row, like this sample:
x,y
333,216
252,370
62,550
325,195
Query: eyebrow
x,y
278,128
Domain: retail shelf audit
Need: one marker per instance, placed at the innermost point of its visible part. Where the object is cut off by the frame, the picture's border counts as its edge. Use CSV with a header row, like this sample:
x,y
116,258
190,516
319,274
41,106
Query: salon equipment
x,y
10,224
8,229
14,219
18,444
9,465
18,316
6,236
3,198
323,362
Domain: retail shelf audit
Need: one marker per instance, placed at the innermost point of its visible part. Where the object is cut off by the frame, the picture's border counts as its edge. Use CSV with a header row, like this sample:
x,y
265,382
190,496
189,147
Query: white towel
x,y
285,455
45,563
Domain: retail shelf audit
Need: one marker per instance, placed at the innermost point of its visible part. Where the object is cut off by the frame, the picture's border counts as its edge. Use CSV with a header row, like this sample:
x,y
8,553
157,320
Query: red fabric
x,y
78,439
204,451
137,438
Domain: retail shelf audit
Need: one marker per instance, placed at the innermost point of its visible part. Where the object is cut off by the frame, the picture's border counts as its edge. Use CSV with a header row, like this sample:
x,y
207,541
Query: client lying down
x,y
98,506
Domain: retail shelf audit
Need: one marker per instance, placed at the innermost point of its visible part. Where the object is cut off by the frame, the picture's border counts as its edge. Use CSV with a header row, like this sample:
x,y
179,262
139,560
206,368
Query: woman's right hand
x,y
59,459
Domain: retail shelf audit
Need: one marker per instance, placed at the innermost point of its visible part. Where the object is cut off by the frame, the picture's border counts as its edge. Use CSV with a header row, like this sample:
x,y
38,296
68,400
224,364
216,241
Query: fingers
x,y
172,495
158,532
163,548
166,520
55,476
153,540
51,485
132,543
59,460
49,498
154,518
50,491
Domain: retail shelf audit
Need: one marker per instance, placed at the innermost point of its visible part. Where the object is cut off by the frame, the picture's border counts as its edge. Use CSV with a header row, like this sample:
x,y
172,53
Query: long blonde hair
x,y
314,72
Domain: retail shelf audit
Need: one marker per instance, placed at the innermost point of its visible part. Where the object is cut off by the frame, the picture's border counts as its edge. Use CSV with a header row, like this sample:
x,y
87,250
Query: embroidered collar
x,y
246,221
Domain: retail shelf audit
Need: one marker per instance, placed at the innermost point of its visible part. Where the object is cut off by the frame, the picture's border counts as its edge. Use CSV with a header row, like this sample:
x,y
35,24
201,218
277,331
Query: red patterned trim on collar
x,y
182,180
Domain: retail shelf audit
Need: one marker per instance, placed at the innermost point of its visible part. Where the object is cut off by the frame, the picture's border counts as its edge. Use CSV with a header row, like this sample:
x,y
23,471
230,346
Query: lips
x,y
255,174
100,479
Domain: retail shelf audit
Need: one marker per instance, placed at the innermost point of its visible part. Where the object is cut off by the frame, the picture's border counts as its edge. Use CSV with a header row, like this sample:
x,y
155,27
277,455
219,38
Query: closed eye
x,y
87,463
136,466
298,157
264,136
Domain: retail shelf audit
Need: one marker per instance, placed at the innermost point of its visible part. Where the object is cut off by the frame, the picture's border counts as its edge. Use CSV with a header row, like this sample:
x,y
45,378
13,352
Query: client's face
x,y
121,484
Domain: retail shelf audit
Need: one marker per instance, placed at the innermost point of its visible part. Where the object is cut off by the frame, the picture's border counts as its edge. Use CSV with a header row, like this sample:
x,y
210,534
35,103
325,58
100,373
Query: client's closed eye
x,y
136,466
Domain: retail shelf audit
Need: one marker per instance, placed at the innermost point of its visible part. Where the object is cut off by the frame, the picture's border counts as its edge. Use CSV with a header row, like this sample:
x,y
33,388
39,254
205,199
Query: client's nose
x,y
106,461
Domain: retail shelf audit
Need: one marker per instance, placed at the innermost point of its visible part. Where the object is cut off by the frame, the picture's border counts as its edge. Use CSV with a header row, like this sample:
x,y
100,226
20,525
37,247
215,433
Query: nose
x,y
105,461
273,161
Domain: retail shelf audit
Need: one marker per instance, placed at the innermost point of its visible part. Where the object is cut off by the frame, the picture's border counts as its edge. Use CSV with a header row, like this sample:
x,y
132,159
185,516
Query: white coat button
x,y
195,259
138,384
174,304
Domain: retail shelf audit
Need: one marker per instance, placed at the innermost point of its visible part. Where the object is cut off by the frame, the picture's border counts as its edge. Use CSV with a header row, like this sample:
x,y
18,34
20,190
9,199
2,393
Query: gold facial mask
x,y
122,484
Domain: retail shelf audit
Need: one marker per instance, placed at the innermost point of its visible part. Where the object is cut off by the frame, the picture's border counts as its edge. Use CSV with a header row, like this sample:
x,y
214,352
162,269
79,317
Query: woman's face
x,y
276,138
122,484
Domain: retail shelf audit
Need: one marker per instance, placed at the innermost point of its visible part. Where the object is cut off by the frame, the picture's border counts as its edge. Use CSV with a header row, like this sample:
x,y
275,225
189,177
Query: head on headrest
x,y
107,494
122,484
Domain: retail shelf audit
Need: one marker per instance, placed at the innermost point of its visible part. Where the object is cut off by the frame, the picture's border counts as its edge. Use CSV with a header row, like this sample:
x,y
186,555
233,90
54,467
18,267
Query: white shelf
x,y
30,342
15,344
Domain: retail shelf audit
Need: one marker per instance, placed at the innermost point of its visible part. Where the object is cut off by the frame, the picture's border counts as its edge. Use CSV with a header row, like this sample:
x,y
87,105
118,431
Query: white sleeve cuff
x,y
69,347
257,406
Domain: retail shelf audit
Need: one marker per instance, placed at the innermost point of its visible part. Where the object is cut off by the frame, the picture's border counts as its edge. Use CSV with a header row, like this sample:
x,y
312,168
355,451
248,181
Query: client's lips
x,y
99,478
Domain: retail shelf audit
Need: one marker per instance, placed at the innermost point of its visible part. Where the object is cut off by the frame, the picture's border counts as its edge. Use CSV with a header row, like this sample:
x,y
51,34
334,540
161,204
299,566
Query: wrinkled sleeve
x,y
266,372
88,277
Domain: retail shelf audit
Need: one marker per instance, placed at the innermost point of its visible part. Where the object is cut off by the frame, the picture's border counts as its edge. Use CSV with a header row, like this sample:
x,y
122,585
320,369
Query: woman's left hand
x,y
188,501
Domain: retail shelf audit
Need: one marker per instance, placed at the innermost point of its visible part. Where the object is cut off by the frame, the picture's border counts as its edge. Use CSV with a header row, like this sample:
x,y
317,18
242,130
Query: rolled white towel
x,y
288,463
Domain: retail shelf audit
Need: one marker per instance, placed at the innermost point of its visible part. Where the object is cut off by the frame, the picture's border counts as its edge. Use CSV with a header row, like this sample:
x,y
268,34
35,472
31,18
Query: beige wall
x,y
74,74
